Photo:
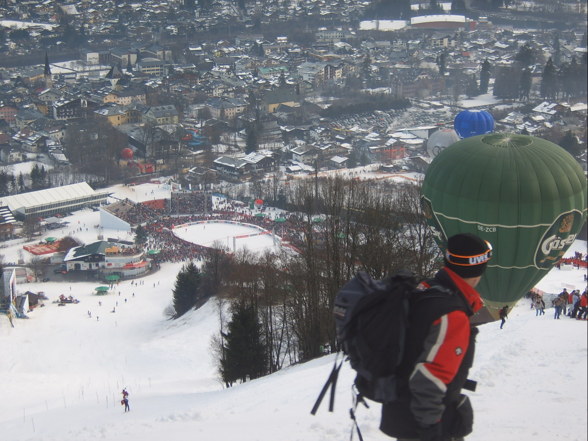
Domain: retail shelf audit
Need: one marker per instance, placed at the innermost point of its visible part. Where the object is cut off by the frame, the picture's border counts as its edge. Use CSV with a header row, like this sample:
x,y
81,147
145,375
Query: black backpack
x,y
371,319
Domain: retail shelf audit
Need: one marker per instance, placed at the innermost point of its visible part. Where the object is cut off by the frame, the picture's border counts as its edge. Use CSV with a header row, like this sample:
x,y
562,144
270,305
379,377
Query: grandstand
x,y
6,223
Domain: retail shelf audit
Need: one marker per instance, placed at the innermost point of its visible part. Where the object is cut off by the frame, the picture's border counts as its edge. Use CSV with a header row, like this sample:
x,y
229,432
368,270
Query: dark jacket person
x,y
440,349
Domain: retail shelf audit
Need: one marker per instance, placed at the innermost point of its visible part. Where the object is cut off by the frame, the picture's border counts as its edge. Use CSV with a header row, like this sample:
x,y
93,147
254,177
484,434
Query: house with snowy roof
x,y
260,161
232,168
107,258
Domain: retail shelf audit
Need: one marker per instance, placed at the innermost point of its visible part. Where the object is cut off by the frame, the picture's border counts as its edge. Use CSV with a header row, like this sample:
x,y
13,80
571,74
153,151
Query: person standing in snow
x,y
503,315
583,310
564,296
440,350
539,306
125,400
557,304
575,303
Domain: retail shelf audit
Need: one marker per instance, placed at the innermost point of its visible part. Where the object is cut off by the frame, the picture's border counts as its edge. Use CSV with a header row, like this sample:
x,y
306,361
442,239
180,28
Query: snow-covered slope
x,y
62,372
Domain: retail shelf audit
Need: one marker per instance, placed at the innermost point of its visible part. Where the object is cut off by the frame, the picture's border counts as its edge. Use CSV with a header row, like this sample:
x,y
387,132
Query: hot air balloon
x,y
473,122
440,140
525,195
126,153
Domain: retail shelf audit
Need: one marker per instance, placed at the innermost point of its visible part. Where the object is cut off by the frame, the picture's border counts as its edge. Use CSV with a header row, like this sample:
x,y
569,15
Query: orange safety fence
x,y
573,261
44,248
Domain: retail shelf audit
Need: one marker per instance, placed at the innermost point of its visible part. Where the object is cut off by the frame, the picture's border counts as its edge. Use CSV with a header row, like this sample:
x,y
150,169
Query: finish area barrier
x,y
243,224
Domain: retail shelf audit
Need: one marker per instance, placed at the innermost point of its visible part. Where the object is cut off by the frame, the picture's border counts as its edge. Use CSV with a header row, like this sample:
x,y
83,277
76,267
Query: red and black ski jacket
x,y
439,353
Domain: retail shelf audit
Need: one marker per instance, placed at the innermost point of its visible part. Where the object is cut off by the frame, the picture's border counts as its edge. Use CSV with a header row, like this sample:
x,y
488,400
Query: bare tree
x,y
36,264
93,146
418,246
31,226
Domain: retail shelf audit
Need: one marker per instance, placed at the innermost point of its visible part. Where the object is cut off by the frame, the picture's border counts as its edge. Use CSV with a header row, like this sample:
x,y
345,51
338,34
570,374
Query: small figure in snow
x,y
503,315
539,306
125,402
558,305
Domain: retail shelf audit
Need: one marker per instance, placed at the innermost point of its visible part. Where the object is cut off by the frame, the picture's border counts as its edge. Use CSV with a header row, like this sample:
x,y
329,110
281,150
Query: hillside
x,y
63,371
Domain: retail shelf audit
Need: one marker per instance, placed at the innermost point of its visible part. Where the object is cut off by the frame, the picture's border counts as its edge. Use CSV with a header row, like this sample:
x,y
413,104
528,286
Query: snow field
x,y
209,234
63,371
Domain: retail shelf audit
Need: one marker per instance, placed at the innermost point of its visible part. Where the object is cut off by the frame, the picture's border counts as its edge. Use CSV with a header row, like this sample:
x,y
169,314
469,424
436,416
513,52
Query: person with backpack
x,y
440,349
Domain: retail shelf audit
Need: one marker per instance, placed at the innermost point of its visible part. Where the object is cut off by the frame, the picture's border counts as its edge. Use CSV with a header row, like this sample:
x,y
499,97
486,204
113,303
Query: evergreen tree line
x,y
14,184
279,306
566,81
194,285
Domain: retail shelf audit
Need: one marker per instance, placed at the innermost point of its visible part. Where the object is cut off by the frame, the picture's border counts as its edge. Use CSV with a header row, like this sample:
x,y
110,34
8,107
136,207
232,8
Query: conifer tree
x,y
441,63
506,84
4,180
392,8
186,292
472,87
549,80
525,84
35,177
245,355
485,76
21,183
526,55
251,141
572,77
366,67
570,143
434,6
458,6
556,49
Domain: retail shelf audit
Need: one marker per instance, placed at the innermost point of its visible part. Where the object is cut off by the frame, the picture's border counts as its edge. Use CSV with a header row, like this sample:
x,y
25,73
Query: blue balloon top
x,y
472,123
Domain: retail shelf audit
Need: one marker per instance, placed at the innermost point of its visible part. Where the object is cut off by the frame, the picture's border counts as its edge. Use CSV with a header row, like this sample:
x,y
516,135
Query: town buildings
x,y
336,95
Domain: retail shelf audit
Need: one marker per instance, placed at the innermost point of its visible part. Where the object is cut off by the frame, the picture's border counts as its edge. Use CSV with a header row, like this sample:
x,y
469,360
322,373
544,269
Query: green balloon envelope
x,y
525,195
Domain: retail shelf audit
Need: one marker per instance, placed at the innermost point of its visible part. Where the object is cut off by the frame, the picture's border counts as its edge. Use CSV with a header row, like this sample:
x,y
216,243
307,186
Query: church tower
x,y
47,73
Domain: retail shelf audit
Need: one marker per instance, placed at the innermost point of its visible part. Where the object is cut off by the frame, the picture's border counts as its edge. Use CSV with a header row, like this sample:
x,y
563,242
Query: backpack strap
x,y
433,286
